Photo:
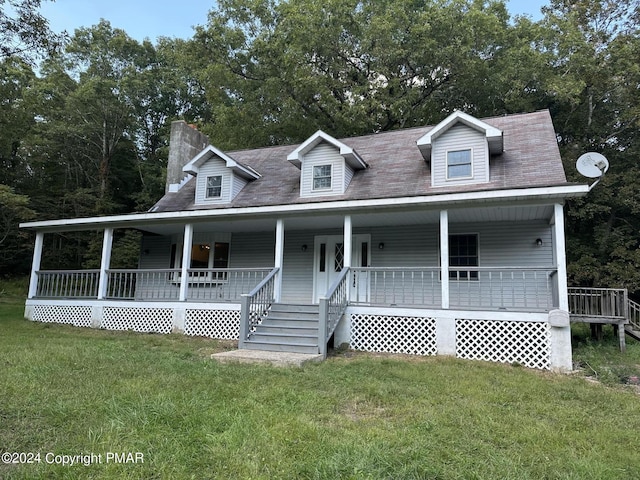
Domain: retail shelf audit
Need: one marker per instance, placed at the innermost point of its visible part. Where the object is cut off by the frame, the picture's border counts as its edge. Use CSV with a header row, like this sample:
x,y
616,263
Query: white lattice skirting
x,y
219,324
144,320
79,316
525,343
393,334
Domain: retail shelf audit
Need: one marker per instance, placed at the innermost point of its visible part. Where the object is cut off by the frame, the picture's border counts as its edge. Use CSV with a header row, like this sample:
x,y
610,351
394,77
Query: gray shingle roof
x,y
396,168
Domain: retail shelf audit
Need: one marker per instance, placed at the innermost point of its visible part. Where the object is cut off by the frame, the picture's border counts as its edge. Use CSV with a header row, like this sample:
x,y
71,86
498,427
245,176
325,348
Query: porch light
x,y
539,242
304,247
381,246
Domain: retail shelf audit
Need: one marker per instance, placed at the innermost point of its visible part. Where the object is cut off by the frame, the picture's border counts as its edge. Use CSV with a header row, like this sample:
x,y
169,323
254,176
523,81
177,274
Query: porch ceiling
x,y
376,218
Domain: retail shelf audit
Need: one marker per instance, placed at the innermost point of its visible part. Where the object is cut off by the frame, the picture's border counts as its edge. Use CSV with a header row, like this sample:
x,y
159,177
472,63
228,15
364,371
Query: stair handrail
x,y
332,307
255,305
633,315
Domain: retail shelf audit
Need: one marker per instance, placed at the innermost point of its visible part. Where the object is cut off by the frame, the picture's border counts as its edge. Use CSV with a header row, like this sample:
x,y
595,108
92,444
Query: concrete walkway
x,y
278,359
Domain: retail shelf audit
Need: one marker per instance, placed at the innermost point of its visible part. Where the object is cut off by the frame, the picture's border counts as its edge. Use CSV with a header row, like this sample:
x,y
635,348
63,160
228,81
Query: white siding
x,y
252,250
156,252
297,281
460,137
238,184
348,175
322,154
510,244
210,168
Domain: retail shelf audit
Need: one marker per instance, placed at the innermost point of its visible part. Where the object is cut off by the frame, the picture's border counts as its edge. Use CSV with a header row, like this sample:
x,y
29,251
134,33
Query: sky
x,y
151,19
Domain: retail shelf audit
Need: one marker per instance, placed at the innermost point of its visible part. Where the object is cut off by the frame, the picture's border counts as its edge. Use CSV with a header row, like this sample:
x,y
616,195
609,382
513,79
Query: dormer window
x,y
322,177
326,165
214,186
459,164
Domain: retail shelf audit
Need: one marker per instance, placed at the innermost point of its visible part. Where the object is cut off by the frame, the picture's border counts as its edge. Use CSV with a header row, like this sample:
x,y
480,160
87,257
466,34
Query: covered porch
x,y
508,266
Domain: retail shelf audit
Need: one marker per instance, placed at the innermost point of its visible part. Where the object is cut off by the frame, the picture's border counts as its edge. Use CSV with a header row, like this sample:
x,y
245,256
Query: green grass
x,y
76,391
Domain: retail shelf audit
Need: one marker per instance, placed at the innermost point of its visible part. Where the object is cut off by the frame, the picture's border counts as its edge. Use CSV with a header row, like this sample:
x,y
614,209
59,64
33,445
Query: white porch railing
x,y
67,283
515,288
214,285
255,305
511,288
206,284
143,284
332,308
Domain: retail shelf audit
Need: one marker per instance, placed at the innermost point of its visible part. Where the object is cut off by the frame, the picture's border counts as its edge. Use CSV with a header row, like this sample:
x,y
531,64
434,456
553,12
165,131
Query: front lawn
x,y
76,392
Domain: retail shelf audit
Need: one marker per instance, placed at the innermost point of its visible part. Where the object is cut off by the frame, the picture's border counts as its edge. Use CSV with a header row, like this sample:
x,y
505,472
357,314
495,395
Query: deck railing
x,y
598,302
331,308
255,305
526,288
67,283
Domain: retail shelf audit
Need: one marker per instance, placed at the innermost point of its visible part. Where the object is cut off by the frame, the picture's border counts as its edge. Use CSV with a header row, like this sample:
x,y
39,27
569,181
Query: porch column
x,y
105,261
279,259
444,257
560,255
187,241
348,241
35,264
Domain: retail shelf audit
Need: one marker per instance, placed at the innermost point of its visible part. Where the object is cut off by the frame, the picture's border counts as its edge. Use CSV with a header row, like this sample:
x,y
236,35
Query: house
x,y
445,239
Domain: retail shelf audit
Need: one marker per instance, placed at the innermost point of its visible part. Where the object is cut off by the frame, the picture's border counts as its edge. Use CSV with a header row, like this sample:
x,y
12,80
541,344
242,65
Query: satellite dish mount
x,y
592,165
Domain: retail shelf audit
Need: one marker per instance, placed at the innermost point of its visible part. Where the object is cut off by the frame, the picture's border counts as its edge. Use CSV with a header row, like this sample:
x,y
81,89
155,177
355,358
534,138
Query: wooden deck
x,y
605,306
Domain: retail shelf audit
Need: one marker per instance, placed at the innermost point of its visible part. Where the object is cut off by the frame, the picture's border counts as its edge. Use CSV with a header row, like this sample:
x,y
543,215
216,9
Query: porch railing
x,y
331,308
515,288
223,285
67,283
598,302
143,284
209,285
472,287
255,305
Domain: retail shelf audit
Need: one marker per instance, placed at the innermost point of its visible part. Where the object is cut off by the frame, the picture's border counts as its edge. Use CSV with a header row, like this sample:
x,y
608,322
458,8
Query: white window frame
x,y
207,187
315,177
466,177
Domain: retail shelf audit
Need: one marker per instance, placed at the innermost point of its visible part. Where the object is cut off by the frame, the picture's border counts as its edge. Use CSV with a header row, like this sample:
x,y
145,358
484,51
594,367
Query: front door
x,y
329,261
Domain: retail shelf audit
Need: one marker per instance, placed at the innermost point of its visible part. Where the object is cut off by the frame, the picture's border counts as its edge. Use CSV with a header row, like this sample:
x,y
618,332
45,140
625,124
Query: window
x,y
322,177
459,164
214,186
463,253
204,256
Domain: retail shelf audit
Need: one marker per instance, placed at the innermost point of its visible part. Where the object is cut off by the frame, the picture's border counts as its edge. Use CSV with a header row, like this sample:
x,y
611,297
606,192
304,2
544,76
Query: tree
x,y
24,32
14,209
594,100
277,71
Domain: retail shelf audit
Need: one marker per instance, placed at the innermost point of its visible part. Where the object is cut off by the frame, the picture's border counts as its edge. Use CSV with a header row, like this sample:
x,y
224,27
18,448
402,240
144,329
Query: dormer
x,y
459,149
219,178
326,165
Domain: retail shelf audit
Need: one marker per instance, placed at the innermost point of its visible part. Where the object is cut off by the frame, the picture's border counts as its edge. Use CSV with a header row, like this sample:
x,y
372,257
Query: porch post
x,y
187,240
560,255
444,257
105,261
348,241
35,264
279,259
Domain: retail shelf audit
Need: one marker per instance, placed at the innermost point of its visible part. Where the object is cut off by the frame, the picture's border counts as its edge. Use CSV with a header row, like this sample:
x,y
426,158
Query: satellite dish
x,y
592,165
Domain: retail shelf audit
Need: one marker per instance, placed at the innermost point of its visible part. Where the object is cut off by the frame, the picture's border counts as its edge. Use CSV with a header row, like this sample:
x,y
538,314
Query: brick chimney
x,y
184,144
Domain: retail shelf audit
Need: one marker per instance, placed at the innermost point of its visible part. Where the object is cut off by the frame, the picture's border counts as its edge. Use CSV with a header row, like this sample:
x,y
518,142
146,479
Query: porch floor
x,y
278,359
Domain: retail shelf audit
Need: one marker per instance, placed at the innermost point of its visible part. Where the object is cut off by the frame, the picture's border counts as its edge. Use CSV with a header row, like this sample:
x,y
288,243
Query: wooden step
x,y
632,333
